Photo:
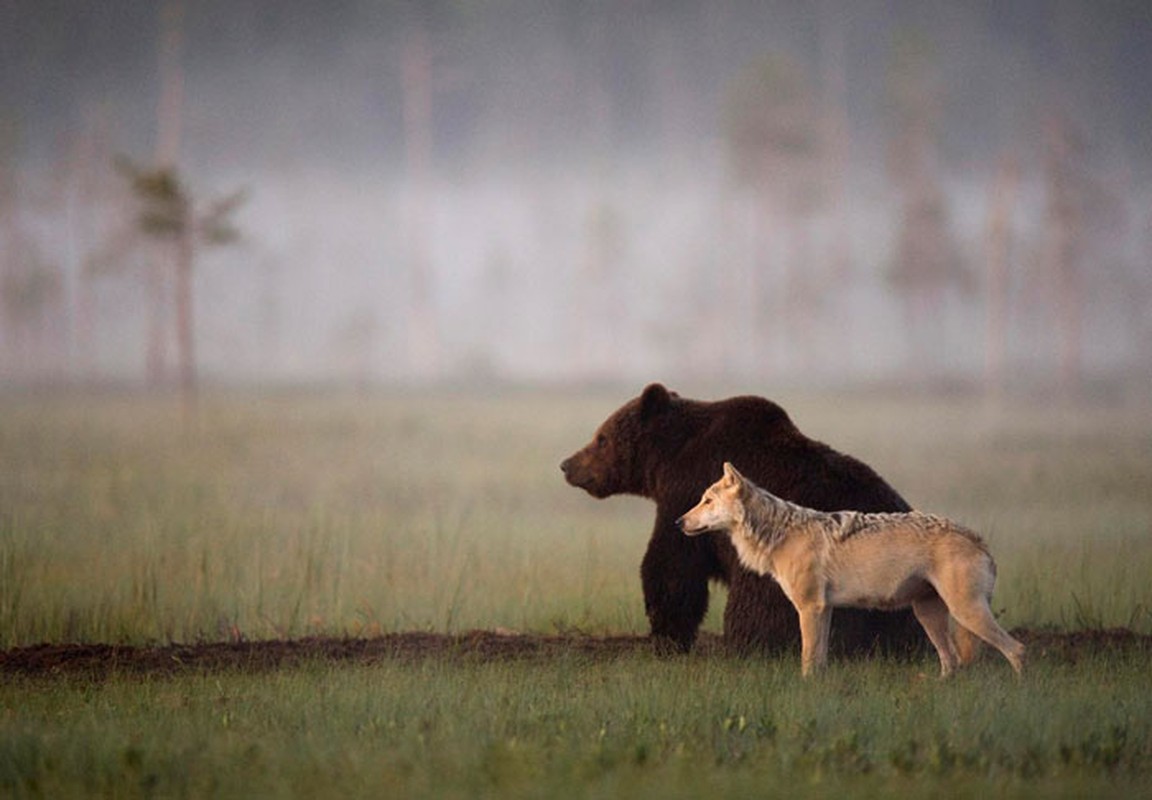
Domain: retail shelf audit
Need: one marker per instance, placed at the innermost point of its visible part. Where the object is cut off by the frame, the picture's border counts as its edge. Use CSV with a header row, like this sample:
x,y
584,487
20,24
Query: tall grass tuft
x,y
287,514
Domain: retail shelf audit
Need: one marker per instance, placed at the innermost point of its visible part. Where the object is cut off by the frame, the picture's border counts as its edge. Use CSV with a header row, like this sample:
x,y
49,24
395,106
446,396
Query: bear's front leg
x,y
674,574
759,618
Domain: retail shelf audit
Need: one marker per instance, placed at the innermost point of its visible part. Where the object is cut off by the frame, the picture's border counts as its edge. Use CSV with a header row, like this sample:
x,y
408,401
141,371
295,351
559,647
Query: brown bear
x,y
670,449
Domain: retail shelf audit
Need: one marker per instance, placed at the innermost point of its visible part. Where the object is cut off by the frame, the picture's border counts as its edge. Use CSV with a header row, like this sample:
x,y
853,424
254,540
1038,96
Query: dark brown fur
x,y
670,449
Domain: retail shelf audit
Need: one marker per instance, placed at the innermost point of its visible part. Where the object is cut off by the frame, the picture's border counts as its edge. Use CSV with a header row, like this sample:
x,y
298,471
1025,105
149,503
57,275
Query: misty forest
x,y
409,192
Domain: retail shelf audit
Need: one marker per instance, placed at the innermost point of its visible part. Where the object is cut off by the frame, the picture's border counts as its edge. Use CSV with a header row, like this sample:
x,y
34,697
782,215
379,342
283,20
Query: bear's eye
x,y
707,501
600,440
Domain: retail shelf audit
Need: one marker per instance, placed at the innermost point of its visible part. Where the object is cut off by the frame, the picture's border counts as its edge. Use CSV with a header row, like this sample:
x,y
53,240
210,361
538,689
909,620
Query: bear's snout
x,y
573,472
578,473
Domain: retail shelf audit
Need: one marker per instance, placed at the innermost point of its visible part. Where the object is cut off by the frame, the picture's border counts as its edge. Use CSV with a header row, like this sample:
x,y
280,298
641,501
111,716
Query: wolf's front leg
x,y
815,622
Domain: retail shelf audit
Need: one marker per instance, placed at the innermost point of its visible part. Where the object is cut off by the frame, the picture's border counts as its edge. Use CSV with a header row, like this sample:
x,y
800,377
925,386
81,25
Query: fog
x,y
581,191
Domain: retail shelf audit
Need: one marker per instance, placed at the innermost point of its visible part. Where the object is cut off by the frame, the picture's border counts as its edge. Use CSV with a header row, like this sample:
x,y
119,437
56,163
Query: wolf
x,y
847,558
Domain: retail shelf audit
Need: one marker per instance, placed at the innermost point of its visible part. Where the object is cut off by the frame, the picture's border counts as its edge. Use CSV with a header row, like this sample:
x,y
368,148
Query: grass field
x,y
290,514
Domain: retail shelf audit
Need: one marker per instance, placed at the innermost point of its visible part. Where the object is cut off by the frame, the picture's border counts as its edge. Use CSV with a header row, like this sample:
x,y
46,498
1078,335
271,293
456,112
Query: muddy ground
x,y
103,660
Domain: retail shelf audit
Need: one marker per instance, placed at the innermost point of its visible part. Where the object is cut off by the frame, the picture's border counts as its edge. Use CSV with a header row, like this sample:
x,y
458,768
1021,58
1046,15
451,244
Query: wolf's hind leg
x,y
976,616
932,613
968,644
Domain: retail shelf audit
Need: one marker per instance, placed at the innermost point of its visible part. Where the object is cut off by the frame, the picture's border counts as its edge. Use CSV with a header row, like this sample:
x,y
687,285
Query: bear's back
x,y
760,439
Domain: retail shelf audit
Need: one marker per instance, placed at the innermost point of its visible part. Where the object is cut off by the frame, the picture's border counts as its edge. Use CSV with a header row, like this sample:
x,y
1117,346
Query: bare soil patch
x,y
104,660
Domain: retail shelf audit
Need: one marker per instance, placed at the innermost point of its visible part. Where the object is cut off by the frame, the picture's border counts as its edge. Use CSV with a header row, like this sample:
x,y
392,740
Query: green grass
x,y
279,515
285,516
638,726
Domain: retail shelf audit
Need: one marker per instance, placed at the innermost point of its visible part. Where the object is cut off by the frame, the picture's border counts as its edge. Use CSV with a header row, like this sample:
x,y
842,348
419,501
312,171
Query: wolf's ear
x,y
736,480
654,400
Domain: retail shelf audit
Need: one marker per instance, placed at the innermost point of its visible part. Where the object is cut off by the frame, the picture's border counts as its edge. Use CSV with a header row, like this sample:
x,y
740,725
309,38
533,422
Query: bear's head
x,y
621,451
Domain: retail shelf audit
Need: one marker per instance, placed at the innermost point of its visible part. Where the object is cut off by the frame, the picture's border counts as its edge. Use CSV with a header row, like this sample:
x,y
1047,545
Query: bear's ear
x,y
654,401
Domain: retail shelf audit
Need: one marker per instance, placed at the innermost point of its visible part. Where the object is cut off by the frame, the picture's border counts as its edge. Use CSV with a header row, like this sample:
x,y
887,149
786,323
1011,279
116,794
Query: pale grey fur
x,y
821,560
771,516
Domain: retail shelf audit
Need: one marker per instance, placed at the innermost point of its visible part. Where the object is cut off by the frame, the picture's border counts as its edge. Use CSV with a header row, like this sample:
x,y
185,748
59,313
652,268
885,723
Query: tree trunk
x,y
835,138
167,152
185,320
998,252
416,73
156,359
169,112
1065,229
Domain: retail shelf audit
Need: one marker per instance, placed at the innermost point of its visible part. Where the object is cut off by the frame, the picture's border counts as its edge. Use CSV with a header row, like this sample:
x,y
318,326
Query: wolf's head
x,y
720,508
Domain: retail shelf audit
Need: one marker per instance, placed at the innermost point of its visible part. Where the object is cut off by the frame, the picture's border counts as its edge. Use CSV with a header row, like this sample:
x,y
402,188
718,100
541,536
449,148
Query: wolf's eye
x,y
707,501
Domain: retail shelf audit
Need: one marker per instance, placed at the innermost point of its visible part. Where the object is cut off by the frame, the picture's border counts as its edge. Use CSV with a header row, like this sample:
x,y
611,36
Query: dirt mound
x,y
1071,646
102,660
